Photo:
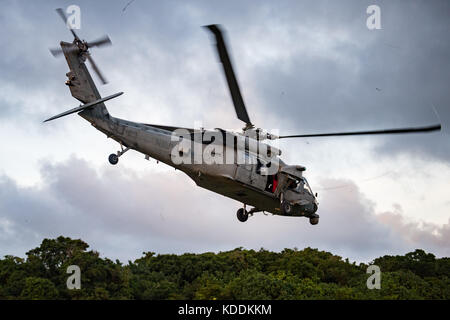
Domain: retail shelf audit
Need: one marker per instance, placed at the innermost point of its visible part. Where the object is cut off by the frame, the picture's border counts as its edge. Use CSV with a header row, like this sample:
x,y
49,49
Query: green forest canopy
x,y
236,274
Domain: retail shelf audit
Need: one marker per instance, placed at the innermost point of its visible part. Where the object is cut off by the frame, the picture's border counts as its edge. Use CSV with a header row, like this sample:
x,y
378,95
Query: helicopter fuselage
x,y
242,182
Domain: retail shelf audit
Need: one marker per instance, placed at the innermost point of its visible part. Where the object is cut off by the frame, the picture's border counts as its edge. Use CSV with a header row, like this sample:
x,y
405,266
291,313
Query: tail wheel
x,y
242,215
113,159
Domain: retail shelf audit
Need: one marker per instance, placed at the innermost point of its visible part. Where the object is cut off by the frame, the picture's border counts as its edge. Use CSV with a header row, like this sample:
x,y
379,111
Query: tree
x,y
39,289
235,274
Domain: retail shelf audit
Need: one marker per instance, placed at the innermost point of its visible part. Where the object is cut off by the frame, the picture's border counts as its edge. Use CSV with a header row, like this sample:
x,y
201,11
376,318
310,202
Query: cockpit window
x,y
300,185
293,184
306,186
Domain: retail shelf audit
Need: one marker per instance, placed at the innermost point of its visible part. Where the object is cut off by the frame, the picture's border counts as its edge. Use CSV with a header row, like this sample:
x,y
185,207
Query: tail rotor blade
x,y
103,41
61,13
64,18
56,51
96,69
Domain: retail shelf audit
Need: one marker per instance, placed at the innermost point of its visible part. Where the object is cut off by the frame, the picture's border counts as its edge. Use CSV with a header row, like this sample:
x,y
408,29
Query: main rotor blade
x,y
435,127
64,18
96,69
100,42
235,92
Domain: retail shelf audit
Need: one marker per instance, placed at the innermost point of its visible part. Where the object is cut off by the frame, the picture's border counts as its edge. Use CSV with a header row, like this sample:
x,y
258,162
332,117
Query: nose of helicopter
x,y
313,207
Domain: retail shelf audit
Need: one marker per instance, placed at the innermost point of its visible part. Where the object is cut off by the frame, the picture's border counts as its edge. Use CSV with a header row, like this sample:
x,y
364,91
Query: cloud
x,y
429,235
309,90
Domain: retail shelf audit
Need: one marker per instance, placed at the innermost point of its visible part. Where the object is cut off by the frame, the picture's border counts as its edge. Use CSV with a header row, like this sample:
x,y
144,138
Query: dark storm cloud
x,y
124,214
380,79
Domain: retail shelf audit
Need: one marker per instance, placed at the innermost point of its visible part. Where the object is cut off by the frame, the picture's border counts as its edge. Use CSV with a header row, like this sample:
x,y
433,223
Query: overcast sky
x,y
303,67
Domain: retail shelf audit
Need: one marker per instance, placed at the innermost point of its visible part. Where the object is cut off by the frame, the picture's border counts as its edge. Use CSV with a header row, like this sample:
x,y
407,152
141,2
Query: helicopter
x,y
236,164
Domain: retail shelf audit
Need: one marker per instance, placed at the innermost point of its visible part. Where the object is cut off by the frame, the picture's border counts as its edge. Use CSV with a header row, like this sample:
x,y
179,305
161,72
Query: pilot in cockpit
x,y
293,184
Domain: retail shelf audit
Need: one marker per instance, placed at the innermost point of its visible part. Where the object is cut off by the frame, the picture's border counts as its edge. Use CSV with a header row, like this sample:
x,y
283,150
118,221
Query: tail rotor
x,y
83,46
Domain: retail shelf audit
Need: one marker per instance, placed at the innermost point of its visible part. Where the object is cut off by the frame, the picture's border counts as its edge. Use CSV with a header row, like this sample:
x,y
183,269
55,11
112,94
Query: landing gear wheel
x,y
286,207
113,159
242,215
314,219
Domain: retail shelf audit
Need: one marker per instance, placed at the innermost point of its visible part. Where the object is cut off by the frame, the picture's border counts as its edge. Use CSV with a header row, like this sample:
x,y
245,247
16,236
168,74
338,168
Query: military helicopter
x,y
237,165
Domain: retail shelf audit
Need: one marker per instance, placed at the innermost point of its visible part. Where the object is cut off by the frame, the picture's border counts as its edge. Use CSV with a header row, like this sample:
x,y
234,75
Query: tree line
x,y
235,274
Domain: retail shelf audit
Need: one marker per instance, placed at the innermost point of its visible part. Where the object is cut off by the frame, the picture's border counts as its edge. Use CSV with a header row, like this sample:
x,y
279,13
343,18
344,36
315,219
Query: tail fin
x,y
80,82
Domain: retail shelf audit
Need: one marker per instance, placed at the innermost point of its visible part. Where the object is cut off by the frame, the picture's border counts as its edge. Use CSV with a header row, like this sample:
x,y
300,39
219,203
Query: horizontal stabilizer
x,y
84,106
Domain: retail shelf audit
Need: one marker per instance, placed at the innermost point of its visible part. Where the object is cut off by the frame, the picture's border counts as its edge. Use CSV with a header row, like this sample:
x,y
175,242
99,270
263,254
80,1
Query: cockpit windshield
x,y
306,186
301,185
